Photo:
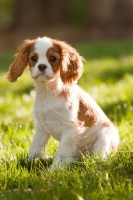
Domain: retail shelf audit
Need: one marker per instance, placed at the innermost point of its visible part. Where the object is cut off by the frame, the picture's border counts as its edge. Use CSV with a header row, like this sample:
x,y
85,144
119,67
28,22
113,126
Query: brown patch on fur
x,y
86,114
54,51
21,61
65,94
71,62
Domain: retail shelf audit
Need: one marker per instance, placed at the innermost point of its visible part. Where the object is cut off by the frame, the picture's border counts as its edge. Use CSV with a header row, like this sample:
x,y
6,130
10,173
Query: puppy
x,y
62,109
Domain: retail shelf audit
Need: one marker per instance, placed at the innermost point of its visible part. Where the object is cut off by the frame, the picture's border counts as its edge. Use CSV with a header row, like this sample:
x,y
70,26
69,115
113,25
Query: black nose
x,y
42,67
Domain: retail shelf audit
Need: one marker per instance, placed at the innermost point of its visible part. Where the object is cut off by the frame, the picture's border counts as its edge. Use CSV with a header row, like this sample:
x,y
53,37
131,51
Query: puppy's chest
x,y
55,114
51,107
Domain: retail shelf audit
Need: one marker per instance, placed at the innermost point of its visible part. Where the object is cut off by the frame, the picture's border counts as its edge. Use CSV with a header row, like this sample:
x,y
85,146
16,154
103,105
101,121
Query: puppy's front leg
x,y
39,141
66,152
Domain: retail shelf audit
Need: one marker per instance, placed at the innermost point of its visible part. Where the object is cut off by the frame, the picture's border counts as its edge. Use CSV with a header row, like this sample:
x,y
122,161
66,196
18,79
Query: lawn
x,y
108,78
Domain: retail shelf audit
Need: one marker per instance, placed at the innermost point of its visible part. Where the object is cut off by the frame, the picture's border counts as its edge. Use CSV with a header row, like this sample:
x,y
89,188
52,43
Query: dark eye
x,y
34,58
52,58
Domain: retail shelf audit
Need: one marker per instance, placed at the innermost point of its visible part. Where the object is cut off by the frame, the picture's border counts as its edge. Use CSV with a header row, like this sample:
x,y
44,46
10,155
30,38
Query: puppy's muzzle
x,y
42,68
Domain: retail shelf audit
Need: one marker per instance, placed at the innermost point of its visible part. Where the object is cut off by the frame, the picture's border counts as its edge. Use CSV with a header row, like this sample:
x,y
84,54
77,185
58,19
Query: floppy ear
x,y
71,66
20,62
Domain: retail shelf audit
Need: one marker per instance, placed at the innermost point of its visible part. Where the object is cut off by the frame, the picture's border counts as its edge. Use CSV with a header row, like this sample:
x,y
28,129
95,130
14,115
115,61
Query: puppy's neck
x,y
53,86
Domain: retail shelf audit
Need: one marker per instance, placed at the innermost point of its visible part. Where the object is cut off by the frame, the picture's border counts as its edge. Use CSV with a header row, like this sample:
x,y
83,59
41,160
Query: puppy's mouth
x,y
41,76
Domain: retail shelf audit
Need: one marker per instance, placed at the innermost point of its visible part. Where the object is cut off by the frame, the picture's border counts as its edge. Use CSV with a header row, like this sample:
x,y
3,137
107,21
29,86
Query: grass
x,y
108,78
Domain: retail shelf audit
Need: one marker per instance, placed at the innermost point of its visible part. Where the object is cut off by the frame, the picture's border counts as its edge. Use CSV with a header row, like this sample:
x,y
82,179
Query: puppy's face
x,y
44,59
47,57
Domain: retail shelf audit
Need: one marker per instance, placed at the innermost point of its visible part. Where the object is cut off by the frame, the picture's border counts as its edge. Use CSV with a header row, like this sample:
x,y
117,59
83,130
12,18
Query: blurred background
x,y
73,21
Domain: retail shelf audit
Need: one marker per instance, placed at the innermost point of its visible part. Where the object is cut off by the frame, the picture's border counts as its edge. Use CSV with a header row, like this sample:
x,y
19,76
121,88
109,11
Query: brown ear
x,y
20,62
71,66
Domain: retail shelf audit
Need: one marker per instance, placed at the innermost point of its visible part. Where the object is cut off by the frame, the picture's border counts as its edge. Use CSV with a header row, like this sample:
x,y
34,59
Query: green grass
x,y
108,78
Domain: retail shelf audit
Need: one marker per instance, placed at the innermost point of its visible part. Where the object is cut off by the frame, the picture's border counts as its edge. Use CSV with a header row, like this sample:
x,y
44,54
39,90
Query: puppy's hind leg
x,y
107,140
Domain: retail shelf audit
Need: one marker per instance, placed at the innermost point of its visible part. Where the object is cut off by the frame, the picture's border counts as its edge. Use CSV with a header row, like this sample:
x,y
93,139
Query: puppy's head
x,y
46,57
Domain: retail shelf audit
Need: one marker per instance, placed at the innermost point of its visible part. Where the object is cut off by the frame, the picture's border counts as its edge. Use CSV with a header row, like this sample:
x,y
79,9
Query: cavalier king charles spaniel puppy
x,y
62,109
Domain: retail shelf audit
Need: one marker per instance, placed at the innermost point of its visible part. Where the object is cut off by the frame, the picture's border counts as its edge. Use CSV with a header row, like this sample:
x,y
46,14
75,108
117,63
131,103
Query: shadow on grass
x,y
42,164
39,164
118,162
